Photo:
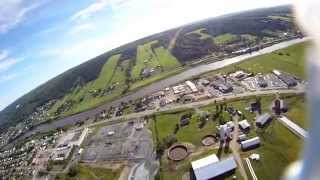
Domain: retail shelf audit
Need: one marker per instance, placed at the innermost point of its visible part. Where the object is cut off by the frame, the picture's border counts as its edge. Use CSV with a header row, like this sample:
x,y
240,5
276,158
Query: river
x,y
156,86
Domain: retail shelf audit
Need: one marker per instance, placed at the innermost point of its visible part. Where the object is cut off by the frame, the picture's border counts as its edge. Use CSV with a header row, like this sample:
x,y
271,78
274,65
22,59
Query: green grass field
x,y
166,59
279,145
145,59
104,79
144,82
201,33
224,38
290,60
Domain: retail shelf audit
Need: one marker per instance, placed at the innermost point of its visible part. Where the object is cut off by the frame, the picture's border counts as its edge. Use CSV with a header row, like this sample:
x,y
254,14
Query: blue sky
x,y
40,39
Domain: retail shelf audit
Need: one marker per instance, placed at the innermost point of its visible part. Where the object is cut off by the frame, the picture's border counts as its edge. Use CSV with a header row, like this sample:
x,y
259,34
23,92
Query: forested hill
x,y
141,62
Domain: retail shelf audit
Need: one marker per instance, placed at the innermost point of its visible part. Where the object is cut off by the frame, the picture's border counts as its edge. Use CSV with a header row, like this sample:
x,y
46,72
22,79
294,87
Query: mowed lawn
x,y
165,124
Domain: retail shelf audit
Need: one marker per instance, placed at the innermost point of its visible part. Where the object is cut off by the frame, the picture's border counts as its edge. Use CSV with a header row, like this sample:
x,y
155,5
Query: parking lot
x,y
123,141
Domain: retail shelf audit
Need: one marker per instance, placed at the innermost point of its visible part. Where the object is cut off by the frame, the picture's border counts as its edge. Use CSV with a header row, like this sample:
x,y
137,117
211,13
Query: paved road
x,y
188,74
296,129
195,104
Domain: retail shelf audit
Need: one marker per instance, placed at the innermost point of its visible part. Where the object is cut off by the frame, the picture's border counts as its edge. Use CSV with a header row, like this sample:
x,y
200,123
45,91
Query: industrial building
x,y
250,143
220,83
192,86
263,119
67,142
210,167
222,87
286,78
261,81
204,82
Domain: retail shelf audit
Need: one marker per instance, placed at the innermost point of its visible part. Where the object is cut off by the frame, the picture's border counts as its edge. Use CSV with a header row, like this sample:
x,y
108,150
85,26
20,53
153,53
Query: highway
x,y
196,104
159,85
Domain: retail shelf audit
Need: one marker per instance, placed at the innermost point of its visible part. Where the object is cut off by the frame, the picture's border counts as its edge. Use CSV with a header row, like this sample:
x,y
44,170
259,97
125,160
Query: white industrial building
x,y
210,167
250,143
192,86
244,124
263,119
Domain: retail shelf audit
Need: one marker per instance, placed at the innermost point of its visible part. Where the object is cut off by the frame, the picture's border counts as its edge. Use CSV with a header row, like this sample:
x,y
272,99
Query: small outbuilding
x,y
250,143
263,119
244,124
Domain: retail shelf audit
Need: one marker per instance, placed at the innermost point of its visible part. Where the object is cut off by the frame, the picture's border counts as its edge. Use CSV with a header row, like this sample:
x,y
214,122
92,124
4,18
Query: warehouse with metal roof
x,y
210,167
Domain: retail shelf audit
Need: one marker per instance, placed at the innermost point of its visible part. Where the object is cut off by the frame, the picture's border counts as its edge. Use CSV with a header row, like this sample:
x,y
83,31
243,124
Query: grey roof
x,y
215,169
250,142
263,118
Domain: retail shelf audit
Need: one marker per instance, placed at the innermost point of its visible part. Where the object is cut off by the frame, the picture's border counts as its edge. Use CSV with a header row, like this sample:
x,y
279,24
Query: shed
x,y
263,119
244,124
250,143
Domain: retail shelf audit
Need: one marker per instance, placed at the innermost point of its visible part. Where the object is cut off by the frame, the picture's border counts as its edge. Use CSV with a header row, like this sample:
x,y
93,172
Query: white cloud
x,y
3,54
7,77
8,63
97,6
12,12
82,28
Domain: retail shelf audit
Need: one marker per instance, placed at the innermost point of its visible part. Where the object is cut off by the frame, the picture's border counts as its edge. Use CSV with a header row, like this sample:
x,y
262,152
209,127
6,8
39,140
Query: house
x,y
263,119
250,143
244,124
210,167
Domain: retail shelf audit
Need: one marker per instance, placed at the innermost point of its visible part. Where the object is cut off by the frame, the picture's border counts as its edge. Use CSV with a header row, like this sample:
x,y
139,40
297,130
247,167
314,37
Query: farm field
x,y
290,60
82,97
114,78
224,38
201,33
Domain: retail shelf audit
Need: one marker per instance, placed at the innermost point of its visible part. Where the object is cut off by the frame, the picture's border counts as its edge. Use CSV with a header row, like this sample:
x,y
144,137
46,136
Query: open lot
x,y
93,173
118,142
